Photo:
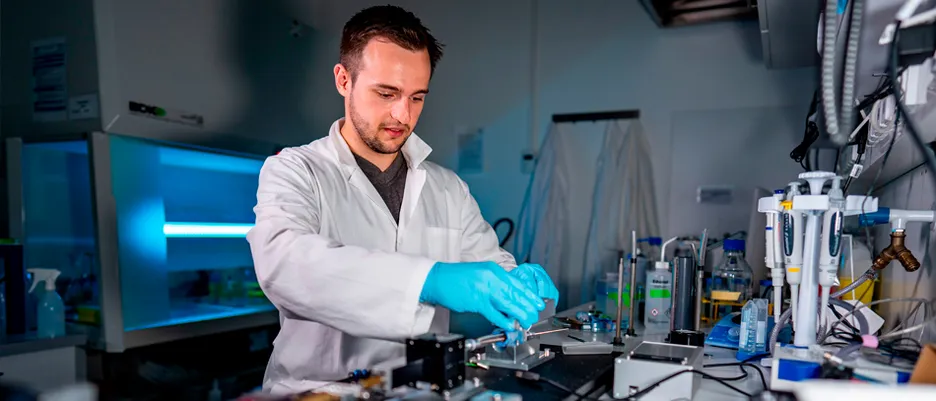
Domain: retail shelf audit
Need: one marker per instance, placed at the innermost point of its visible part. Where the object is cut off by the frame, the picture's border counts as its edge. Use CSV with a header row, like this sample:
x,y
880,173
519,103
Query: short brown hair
x,y
395,24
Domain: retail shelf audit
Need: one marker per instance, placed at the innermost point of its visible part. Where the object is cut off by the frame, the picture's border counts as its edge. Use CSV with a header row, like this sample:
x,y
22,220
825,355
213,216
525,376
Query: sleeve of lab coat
x,y
479,240
308,276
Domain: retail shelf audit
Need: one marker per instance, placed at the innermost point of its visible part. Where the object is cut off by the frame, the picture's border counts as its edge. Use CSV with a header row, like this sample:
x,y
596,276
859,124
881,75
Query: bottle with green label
x,y
658,298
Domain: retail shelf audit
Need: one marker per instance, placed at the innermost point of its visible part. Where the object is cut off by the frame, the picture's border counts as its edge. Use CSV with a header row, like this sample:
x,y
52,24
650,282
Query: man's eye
x,y
386,95
418,99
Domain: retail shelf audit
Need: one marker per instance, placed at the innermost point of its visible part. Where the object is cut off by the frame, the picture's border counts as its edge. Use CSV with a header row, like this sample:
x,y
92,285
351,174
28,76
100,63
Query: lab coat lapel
x,y
415,151
352,171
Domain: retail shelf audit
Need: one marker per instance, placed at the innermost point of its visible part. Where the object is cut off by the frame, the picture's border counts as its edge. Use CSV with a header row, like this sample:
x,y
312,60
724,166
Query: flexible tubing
x,y
789,312
851,65
863,325
828,70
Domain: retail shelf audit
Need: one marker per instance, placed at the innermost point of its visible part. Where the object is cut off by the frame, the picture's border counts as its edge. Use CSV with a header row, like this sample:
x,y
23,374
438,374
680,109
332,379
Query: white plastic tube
x,y
808,296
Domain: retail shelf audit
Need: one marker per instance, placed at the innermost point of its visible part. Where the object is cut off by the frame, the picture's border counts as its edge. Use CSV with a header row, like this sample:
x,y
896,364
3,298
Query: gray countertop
x,y
23,344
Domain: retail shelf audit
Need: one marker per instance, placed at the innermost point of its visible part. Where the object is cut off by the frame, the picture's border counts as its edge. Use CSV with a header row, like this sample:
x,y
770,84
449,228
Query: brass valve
x,y
897,250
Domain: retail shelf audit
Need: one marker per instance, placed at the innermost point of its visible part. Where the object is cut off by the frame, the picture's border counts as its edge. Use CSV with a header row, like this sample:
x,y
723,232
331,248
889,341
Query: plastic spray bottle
x,y
50,311
659,295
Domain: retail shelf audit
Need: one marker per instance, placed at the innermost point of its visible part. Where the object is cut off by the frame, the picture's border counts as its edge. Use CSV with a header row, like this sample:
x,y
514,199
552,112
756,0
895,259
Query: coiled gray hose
x,y
870,274
828,70
851,64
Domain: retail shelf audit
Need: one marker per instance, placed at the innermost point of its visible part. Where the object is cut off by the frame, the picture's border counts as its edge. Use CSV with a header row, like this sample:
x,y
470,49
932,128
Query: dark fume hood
x,y
672,13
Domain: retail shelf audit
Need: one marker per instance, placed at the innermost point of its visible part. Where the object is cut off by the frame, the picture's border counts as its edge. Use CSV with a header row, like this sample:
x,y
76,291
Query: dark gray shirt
x,y
389,183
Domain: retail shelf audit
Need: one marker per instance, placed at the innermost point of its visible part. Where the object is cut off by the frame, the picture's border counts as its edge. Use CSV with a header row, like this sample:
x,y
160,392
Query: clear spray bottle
x,y
50,310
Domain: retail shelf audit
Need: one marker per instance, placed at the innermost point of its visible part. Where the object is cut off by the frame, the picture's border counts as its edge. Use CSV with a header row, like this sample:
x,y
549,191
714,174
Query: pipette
x,y
793,247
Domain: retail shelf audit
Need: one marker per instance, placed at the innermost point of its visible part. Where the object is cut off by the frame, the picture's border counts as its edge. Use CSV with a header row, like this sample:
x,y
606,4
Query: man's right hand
x,y
485,288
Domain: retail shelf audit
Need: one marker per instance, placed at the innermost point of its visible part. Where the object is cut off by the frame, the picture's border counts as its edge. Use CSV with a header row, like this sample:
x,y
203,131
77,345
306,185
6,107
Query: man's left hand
x,y
535,277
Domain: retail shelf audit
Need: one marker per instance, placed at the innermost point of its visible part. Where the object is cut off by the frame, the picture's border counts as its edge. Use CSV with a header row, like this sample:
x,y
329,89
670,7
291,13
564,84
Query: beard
x,y
370,135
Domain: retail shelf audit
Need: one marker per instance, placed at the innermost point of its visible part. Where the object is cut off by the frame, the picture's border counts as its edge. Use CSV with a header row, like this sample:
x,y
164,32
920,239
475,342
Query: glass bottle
x,y
733,276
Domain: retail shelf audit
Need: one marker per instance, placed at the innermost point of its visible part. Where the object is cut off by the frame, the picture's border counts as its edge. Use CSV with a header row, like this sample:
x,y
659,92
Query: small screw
x,y
460,377
438,345
451,349
411,343
450,383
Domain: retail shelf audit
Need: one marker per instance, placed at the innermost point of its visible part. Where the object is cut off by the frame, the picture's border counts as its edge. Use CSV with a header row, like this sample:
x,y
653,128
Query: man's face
x,y
385,99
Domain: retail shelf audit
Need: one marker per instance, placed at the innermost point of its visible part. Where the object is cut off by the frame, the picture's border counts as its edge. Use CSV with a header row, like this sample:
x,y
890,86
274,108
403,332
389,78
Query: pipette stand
x,y
525,356
814,206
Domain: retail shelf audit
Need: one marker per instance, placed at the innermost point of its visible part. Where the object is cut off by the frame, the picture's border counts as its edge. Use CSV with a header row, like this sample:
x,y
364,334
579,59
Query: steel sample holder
x,y
521,357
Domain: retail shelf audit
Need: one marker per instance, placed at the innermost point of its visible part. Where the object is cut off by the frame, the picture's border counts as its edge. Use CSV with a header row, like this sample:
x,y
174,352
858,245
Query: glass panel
x,y
182,216
59,225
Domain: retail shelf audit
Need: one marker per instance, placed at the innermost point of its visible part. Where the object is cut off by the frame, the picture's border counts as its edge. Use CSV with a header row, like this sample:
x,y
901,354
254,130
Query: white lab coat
x,y
344,275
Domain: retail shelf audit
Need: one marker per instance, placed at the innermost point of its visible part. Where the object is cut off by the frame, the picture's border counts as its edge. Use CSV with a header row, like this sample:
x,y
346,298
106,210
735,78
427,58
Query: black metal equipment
x,y
682,325
14,284
438,360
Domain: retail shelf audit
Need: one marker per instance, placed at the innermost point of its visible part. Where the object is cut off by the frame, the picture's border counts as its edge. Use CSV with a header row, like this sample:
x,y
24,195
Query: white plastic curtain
x,y
624,201
542,227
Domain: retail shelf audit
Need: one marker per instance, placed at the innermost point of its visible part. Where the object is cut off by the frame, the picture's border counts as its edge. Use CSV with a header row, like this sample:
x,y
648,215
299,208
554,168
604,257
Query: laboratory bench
x,y
43,363
592,375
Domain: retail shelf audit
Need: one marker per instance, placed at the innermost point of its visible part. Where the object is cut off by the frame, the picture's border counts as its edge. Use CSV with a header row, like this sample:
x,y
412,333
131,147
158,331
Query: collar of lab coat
x,y
415,150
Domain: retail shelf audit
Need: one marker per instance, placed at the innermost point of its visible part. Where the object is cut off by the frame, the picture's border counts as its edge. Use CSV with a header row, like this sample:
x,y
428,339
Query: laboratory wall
x,y
705,97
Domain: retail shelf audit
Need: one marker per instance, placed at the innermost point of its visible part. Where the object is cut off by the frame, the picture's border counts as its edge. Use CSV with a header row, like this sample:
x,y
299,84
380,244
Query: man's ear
x,y
342,80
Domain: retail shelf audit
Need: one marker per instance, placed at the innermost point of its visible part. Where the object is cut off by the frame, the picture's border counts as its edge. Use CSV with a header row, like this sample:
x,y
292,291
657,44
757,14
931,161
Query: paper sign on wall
x,y
715,194
83,107
470,151
49,80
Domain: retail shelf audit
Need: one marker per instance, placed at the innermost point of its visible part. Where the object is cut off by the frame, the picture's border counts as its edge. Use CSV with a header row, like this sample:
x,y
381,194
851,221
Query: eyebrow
x,y
395,89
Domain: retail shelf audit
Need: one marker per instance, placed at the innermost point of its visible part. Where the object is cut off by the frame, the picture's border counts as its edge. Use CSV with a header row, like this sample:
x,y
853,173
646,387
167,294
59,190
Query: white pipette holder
x,y
813,206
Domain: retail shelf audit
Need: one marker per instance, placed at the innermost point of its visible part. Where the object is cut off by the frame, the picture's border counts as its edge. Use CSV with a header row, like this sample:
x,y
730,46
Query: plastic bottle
x,y
733,276
753,329
50,312
607,292
659,298
748,329
215,393
760,339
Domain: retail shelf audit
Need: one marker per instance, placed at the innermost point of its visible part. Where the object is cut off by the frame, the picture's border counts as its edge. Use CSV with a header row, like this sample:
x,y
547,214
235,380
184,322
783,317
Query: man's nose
x,y
401,111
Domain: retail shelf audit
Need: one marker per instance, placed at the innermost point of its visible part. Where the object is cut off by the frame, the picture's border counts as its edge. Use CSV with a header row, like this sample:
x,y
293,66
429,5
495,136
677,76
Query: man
x,y
359,241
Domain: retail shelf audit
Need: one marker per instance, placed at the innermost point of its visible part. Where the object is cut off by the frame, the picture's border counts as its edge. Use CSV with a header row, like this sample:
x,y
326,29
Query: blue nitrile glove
x,y
485,288
514,338
535,277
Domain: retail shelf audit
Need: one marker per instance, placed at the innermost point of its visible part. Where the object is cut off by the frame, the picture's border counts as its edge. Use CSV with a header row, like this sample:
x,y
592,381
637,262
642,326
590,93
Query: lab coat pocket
x,y
442,244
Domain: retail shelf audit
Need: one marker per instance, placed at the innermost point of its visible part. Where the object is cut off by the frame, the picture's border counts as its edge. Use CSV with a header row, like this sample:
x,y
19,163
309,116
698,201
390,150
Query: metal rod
x,y
489,339
620,297
700,280
632,293
596,116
